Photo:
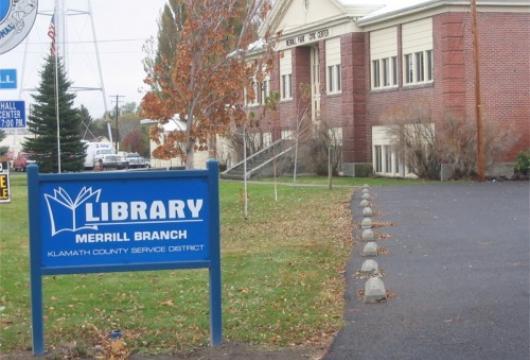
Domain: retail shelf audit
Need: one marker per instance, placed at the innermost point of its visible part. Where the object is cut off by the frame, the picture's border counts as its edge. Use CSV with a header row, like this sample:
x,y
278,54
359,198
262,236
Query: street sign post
x,y
5,186
12,114
120,222
8,79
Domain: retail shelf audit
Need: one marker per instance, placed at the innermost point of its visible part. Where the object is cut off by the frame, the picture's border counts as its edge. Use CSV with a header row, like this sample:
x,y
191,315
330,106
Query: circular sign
x,y
16,20
4,9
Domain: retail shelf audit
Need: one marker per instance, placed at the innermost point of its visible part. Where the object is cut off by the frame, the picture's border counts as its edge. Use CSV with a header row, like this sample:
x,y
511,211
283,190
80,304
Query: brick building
x,y
364,59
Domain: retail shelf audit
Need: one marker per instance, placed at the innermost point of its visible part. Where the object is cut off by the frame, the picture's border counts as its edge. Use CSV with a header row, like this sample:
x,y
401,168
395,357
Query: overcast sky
x,y
122,28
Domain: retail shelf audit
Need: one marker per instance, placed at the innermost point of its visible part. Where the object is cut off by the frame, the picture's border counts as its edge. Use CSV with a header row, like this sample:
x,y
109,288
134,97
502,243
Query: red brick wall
x,y
505,73
505,67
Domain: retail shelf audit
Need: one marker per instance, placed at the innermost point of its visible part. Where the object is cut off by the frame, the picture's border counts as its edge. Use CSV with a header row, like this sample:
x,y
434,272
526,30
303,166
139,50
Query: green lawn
x,y
282,280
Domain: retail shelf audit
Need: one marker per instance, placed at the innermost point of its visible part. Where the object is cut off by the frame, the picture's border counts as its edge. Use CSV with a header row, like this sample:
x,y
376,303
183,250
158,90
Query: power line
x,y
90,41
117,102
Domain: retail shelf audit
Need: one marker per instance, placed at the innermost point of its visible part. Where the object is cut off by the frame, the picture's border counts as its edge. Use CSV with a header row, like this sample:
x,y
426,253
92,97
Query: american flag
x,y
51,35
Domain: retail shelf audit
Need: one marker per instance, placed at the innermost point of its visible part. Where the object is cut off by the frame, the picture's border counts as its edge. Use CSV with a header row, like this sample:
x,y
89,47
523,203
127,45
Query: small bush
x,y
522,163
363,170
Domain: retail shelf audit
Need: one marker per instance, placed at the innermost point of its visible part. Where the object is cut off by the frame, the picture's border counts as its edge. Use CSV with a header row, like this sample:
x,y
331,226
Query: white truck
x,y
102,153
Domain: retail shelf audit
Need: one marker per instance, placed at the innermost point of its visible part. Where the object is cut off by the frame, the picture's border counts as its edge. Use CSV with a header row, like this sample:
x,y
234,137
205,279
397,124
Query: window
x,y
330,79
420,67
378,159
375,71
430,65
333,66
287,88
339,80
334,79
388,159
383,58
396,162
409,69
287,134
265,90
286,70
394,70
254,100
386,72
418,45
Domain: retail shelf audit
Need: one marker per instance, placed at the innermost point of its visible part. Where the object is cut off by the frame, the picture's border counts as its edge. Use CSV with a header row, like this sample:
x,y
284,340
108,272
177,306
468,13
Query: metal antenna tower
x,y
61,45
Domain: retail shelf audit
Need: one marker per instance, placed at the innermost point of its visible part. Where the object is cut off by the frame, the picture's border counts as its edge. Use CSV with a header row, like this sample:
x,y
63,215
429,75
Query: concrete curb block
x,y
368,212
365,196
366,223
364,203
367,235
370,249
370,266
374,291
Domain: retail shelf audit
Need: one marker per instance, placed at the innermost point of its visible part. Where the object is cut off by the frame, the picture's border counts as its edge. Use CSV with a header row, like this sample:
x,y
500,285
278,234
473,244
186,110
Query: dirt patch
x,y
228,351
238,351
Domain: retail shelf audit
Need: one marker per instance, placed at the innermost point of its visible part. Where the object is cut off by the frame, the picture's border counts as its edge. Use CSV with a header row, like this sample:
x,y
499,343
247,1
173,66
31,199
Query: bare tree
x,y
426,145
302,128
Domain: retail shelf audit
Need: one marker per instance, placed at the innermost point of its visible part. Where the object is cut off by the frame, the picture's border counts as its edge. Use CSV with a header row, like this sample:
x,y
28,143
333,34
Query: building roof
x,y
399,8
367,12
174,124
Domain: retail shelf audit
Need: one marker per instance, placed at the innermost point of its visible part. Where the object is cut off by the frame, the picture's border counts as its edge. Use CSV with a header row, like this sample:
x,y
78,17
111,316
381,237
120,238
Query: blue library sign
x,y
12,114
8,78
124,221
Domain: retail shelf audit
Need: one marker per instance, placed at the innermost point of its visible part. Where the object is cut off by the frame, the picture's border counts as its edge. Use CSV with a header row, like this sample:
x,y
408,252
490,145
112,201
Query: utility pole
x,y
481,158
117,102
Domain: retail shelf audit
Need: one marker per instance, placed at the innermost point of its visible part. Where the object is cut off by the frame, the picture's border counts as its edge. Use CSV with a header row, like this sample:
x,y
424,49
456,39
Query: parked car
x,y
123,162
22,161
108,161
136,161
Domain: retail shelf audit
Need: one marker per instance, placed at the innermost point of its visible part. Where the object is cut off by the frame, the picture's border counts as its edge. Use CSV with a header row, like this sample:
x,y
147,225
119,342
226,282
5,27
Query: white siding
x,y
381,135
383,43
333,52
298,14
417,36
286,62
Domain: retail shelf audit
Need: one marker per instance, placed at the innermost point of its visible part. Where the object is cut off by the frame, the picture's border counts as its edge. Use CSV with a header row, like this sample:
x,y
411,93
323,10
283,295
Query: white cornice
x,y
324,23
435,4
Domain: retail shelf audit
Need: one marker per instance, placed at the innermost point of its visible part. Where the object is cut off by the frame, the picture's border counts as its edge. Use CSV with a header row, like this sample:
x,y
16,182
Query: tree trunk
x,y
189,155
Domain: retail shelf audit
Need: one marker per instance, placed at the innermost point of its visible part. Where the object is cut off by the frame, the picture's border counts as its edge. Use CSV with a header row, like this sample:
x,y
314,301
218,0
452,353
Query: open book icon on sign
x,y
66,213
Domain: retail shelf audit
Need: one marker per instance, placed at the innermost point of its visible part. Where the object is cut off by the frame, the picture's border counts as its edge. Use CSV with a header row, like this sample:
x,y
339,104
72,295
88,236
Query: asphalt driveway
x,y
459,267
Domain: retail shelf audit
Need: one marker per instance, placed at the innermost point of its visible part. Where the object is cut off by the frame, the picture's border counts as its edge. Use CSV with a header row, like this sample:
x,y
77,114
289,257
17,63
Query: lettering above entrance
x,y
307,38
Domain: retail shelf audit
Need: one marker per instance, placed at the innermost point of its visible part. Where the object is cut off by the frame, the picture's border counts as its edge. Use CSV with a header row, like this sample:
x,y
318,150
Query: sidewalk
x,y
459,266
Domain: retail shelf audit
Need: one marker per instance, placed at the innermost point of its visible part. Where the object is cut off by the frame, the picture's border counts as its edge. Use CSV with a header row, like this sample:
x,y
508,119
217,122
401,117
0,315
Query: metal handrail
x,y
250,172
254,155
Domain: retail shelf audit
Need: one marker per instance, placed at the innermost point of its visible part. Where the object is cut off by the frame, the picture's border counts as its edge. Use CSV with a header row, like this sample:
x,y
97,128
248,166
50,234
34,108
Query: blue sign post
x,y
116,222
12,114
8,78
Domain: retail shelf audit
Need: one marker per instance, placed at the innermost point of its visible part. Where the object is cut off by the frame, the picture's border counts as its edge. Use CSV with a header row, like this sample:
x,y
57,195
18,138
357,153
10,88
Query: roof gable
x,y
288,14
291,14
303,12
